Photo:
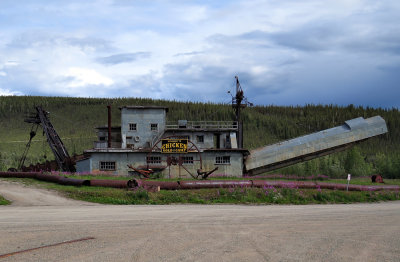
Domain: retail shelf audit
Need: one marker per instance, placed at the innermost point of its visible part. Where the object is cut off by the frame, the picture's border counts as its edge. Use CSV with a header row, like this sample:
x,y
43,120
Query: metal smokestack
x,y
109,126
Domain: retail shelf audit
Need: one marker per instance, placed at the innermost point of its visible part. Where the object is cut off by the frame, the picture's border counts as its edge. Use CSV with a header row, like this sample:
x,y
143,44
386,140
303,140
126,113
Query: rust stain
x,y
52,245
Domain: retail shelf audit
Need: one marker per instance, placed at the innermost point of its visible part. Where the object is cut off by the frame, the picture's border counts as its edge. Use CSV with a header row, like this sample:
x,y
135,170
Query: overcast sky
x,y
285,52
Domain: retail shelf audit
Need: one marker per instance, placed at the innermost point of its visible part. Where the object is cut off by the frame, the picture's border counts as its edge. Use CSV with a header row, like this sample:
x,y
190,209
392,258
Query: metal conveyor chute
x,y
315,145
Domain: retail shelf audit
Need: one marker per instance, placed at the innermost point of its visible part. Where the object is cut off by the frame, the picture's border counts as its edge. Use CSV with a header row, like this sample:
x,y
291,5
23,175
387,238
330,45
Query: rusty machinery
x,y
155,162
239,101
40,118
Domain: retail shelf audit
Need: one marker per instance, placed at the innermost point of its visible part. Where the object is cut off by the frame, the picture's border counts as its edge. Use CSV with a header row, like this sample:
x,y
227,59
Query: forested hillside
x,y
76,118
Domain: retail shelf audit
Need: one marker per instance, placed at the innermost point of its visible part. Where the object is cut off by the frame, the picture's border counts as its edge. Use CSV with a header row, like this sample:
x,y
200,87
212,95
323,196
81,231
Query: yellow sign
x,y
174,145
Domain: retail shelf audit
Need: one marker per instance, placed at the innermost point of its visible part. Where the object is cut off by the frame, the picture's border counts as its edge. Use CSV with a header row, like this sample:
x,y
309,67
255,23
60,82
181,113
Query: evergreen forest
x,y
75,120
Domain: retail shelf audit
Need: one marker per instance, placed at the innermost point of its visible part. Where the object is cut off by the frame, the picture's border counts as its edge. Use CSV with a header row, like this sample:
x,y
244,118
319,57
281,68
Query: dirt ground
x,y
39,218
22,195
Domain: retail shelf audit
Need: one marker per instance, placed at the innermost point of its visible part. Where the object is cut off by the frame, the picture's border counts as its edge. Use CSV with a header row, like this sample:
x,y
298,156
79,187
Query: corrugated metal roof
x,y
352,131
145,107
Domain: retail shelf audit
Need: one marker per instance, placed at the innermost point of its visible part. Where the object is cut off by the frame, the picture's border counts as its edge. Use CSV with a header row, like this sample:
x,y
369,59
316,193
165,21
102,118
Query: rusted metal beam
x,y
52,245
109,126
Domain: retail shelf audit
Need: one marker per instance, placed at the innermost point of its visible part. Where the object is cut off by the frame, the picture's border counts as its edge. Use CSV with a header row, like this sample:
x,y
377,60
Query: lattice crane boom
x,y
57,146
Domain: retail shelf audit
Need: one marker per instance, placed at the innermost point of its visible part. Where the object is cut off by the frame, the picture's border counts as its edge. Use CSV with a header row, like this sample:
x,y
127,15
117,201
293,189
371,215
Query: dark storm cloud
x,y
284,52
189,80
337,36
123,58
211,83
309,38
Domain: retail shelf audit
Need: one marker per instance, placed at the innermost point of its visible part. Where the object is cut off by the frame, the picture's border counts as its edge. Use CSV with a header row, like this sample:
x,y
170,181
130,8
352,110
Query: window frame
x,y
132,127
107,165
200,138
222,160
187,160
152,125
153,160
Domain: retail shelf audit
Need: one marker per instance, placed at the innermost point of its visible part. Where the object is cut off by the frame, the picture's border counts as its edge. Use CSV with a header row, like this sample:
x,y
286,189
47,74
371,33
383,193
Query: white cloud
x,y
7,92
81,77
165,48
259,69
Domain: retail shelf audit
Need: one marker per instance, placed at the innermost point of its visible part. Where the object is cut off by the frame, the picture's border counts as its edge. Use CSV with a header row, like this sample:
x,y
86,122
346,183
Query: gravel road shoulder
x,y
22,195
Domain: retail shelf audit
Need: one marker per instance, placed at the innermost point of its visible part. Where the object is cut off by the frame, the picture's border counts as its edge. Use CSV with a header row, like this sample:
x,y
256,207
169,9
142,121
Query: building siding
x,y
142,137
137,159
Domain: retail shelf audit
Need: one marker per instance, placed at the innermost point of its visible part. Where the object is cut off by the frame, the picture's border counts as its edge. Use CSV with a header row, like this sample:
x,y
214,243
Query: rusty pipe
x,y
254,183
109,126
214,184
109,183
19,174
186,184
73,182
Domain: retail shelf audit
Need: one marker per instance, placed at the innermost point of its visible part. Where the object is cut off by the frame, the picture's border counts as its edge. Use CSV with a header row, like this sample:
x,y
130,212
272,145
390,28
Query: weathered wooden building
x,y
186,148
138,142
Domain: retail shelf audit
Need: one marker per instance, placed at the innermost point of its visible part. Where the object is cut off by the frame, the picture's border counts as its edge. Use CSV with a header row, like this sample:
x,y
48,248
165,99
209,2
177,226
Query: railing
x,y
202,125
103,144
155,138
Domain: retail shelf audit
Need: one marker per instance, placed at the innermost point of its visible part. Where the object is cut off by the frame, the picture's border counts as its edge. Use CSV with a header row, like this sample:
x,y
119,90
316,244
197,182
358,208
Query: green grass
x,y
4,201
364,181
213,196
75,120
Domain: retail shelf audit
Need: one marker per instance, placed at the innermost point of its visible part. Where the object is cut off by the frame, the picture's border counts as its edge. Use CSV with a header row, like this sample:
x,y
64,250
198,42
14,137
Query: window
x,y
187,159
200,139
154,127
132,127
102,138
154,160
223,160
107,165
228,142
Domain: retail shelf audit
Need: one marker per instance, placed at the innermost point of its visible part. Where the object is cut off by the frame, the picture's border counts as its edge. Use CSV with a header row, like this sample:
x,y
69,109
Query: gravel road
x,y
356,232
22,195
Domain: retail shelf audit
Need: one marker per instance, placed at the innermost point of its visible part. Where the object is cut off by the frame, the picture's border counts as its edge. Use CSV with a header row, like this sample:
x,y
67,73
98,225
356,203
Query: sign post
x,y
348,181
